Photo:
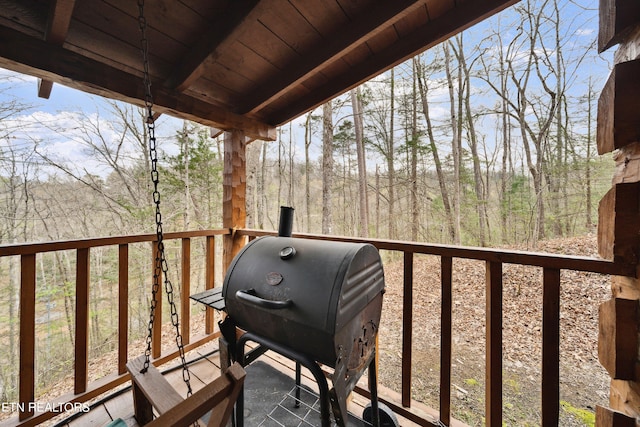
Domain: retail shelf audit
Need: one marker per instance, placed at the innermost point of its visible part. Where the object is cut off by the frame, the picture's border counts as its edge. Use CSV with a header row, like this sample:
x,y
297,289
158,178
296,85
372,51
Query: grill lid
x,y
318,284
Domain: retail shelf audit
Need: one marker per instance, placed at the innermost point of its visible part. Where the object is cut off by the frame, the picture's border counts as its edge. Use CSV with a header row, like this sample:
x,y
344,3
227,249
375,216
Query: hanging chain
x,y
161,265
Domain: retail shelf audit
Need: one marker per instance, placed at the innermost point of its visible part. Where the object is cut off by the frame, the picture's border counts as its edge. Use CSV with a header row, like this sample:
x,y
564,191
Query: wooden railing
x,y
551,266
82,389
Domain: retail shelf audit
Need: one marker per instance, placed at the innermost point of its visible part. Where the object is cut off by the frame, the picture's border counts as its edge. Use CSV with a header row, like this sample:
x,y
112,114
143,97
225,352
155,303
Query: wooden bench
x,y
151,390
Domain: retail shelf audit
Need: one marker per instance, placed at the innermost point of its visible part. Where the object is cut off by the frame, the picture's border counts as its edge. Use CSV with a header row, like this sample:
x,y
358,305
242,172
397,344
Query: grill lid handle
x,y
249,296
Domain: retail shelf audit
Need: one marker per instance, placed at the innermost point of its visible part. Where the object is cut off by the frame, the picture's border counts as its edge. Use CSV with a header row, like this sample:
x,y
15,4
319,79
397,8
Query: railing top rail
x,y
34,248
536,259
545,260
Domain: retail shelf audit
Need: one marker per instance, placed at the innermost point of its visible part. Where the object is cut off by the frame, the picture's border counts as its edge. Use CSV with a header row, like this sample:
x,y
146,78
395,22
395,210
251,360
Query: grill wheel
x,y
387,417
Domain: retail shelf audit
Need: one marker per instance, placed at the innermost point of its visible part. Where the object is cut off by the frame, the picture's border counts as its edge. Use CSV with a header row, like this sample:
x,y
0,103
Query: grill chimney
x,y
286,221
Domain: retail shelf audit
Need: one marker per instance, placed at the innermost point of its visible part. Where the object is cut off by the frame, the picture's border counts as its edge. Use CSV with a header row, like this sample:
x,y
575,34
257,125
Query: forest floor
x,y
583,381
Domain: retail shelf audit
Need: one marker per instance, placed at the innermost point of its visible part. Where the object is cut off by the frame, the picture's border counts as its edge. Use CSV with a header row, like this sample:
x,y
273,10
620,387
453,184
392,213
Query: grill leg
x,y
373,389
298,381
301,359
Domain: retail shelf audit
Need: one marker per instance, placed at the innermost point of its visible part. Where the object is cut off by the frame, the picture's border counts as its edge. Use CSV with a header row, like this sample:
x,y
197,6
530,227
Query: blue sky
x,y
54,124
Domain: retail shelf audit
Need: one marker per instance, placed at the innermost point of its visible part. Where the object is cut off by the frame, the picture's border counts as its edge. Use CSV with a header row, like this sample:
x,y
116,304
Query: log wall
x,y
618,129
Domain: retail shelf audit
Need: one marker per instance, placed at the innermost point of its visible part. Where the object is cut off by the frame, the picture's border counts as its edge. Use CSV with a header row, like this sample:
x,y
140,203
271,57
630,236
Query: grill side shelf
x,y
211,297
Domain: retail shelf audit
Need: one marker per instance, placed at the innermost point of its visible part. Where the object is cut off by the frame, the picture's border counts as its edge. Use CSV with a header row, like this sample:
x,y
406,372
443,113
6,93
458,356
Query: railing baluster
x,y
210,269
27,333
123,307
185,314
407,328
446,265
156,338
493,374
81,365
550,346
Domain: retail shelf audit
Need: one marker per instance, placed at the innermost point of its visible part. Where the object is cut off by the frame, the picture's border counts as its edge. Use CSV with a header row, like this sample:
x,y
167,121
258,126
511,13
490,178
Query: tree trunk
x,y
184,141
506,151
307,173
588,210
479,187
456,147
391,173
363,225
291,192
263,200
423,89
415,224
327,167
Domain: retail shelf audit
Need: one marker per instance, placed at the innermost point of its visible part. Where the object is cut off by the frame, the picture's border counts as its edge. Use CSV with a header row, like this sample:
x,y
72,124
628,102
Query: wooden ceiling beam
x,y
452,22
193,64
35,57
381,16
56,33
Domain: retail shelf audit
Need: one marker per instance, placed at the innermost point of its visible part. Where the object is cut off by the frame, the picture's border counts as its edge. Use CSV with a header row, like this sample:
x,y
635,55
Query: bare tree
x,y
534,110
356,105
308,131
424,90
327,167
381,127
456,140
472,137
413,144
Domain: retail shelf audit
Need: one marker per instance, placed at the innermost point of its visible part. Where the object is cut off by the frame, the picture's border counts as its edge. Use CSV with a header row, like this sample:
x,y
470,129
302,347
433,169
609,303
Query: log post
x,y
619,211
234,187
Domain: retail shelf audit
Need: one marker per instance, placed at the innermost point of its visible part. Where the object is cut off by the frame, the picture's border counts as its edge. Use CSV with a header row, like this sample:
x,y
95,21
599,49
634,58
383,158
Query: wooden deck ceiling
x,y
250,65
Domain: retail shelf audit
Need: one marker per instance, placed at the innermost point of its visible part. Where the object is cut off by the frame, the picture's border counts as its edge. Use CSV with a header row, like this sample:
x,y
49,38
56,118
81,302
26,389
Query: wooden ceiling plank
x,y
173,18
28,17
382,40
268,46
242,60
315,11
285,21
450,23
37,58
381,15
437,8
352,8
193,64
56,33
408,23
104,28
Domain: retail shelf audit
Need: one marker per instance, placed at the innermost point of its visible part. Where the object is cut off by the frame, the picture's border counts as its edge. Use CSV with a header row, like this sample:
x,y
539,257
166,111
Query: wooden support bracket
x,y
618,337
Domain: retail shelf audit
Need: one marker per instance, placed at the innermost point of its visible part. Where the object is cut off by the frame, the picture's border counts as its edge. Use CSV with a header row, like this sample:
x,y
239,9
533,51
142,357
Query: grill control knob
x,y
288,252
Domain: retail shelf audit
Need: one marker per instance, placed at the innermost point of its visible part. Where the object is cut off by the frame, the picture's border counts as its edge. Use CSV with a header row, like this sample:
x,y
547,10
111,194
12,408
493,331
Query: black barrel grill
x,y
313,301
320,298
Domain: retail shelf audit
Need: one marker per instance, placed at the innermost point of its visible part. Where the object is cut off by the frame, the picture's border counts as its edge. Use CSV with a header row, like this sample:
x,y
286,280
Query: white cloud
x,y
585,32
66,139
11,77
